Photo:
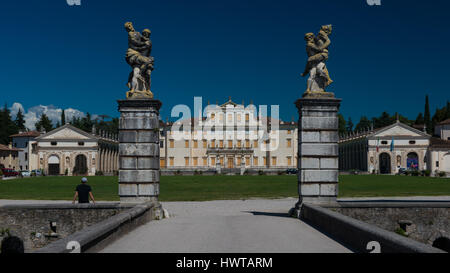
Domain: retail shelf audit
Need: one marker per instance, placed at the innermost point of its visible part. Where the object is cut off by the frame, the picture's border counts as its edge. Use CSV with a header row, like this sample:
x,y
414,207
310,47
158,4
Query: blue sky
x,y
382,58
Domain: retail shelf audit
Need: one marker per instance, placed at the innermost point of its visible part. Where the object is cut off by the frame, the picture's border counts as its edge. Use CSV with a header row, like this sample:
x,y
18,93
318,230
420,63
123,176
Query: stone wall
x,y
32,222
423,224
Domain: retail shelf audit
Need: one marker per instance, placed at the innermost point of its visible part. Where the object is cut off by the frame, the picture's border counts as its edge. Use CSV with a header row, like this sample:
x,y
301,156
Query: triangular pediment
x,y
399,129
66,132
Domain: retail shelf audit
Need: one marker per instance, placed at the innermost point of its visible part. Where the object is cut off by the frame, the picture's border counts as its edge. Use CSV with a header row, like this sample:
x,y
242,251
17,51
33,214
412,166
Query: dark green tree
x,y
63,117
448,110
363,124
419,120
7,126
342,124
427,116
20,121
349,125
44,123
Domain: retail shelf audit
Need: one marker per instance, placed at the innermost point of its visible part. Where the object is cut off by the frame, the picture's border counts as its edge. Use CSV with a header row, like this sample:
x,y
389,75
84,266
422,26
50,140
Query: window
x,y
213,143
288,132
213,116
186,161
239,143
230,143
247,161
255,160
162,162
81,143
221,143
205,144
221,161
289,143
384,142
213,161
265,160
239,161
289,161
247,143
171,143
171,159
274,161
26,156
195,144
161,144
412,142
195,161
205,161
186,144
437,164
54,143
255,144
247,117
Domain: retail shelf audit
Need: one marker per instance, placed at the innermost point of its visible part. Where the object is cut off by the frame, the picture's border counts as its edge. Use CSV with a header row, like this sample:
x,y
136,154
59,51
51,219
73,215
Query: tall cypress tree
x,y
448,110
63,117
20,120
426,116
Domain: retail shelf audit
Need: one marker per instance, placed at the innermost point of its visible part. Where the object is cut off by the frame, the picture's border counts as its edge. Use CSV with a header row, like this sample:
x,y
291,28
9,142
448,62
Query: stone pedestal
x,y
139,168
318,150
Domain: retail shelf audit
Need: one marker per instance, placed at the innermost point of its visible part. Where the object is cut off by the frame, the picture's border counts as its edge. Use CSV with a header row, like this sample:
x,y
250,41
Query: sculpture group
x,y
317,50
138,57
140,47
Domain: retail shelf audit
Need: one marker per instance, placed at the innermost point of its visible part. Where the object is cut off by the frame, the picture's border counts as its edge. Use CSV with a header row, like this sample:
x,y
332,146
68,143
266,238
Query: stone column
x,y
318,158
139,150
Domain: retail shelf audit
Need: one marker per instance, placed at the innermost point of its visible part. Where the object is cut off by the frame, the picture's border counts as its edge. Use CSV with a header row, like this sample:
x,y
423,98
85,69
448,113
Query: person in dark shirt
x,y
83,192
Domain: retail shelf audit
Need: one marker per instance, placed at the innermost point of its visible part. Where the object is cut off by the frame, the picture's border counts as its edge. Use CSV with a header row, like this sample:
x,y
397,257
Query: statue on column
x,y
138,57
317,51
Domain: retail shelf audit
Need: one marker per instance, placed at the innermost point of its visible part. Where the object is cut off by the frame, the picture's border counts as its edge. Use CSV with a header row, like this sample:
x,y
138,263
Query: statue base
x,y
139,150
135,94
318,94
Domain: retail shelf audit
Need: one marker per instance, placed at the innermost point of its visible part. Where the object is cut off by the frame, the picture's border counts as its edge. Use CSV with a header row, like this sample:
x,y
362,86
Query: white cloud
x,y
34,113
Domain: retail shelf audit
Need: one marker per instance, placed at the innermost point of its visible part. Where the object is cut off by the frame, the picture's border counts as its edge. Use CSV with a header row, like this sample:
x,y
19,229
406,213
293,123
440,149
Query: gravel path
x,y
227,226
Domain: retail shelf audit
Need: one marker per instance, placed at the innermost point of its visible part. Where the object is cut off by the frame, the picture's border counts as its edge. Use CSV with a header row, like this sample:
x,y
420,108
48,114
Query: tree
x,y
44,123
419,120
363,124
448,110
63,117
349,125
342,124
7,126
20,121
426,116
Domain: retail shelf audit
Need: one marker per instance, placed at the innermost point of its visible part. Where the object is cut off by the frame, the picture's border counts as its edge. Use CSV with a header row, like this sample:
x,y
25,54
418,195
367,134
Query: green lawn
x,y
201,188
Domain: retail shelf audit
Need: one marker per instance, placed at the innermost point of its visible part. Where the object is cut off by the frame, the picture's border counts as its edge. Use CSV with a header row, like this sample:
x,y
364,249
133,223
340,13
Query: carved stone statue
x,y
138,57
317,50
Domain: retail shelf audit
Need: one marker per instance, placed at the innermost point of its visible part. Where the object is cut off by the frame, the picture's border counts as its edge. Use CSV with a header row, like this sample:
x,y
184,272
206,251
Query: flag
x,y
392,144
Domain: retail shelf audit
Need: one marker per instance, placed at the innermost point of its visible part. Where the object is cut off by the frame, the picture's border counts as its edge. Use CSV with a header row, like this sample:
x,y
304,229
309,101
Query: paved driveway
x,y
227,226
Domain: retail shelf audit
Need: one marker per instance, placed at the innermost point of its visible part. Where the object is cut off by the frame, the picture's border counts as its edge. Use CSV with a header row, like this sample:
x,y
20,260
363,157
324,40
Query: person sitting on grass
x,y
83,191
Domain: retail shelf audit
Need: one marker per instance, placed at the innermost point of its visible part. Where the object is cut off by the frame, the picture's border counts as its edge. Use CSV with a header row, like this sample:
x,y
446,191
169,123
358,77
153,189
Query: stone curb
x,y
103,232
357,234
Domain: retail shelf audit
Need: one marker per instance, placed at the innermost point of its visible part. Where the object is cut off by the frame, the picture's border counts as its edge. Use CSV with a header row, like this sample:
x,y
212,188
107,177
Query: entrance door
x,y
385,163
53,165
230,162
80,165
412,162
